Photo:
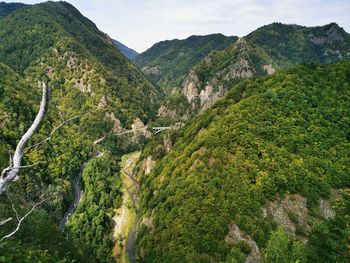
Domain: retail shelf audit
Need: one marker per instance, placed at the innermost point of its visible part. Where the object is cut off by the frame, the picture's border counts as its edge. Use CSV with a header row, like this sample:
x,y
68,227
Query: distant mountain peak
x,y
128,52
8,8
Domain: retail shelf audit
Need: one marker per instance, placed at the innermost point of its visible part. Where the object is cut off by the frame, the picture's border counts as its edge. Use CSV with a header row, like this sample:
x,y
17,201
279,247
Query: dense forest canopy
x,y
253,165
268,138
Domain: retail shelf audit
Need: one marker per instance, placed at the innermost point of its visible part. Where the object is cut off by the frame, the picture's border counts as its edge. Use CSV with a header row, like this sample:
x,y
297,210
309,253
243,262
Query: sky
x,y
141,23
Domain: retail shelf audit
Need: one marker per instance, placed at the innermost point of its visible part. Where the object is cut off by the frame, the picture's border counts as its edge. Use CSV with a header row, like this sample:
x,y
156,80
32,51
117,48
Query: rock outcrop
x,y
190,86
147,165
289,213
236,235
152,70
332,34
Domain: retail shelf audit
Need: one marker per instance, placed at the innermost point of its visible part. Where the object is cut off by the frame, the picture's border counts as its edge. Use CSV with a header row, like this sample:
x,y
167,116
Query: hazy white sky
x,y
141,23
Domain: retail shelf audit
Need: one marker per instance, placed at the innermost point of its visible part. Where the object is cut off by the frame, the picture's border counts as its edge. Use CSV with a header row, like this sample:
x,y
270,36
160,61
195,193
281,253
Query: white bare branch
x,y
20,220
51,134
10,158
3,222
10,173
26,166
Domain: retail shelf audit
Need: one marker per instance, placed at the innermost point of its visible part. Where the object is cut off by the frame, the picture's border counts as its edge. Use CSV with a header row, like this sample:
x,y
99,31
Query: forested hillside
x,y
168,62
261,175
128,52
262,52
90,80
8,8
256,175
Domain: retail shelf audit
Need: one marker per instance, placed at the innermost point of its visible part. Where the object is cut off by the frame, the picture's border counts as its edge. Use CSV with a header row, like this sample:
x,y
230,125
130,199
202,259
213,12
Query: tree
x,y
282,249
10,173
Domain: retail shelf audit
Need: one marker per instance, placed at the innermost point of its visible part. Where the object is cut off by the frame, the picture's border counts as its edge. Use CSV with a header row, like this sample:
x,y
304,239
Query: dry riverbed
x,y
126,215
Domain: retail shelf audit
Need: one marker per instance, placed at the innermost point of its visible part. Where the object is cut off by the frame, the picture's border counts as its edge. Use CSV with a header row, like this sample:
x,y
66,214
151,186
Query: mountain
x,y
262,52
261,175
168,62
92,81
8,8
128,52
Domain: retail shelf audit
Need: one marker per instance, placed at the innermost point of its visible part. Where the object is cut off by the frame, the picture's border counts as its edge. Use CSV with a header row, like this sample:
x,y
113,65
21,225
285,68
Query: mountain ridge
x,y
269,48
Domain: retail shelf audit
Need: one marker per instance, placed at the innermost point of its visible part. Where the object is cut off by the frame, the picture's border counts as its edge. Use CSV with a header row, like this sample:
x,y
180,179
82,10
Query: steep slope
x,y
273,153
17,108
128,52
8,8
90,79
269,48
168,62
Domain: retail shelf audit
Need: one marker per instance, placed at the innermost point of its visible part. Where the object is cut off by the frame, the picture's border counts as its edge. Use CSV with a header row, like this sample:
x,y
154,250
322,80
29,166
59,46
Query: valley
x,y
127,217
209,149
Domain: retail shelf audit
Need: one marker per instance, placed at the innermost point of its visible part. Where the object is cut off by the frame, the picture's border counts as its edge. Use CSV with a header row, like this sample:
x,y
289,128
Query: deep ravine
x,y
127,216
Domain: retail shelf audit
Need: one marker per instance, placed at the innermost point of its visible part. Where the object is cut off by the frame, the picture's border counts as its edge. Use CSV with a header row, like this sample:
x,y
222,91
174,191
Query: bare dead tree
x,y
20,219
10,173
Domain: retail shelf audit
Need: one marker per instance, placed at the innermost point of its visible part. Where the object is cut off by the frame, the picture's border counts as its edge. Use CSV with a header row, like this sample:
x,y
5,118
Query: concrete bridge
x,y
160,129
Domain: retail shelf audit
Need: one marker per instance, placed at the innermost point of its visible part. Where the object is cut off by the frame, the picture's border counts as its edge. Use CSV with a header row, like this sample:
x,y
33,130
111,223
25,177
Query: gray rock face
x,y
288,213
331,35
163,111
147,165
190,87
269,69
236,235
117,126
325,209
152,70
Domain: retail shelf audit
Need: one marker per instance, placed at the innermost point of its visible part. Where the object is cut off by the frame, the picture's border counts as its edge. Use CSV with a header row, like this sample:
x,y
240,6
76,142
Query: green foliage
x,y
331,238
292,44
280,248
91,224
176,57
89,78
283,134
37,239
8,8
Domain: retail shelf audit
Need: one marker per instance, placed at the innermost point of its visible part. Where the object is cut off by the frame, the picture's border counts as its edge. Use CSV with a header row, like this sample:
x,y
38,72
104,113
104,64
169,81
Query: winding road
x,y
78,194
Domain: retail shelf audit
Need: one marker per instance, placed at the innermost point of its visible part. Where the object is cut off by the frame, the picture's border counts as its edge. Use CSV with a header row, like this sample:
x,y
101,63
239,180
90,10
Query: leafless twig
x,y
20,220
10,173
51,134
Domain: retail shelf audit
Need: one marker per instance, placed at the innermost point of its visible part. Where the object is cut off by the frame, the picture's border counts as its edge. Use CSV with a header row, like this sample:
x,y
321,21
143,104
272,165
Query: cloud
x,y
141,23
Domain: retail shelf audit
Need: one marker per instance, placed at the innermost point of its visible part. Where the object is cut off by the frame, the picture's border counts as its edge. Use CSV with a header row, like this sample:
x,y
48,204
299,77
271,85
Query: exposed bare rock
x,y
147,221
207,60
174,91
325,209
208,97
109,39
147,165
331,35
269,69
330,52
190,86
49,71
4,118
117,127
82,86
167,143
236,235
178,125
163,111
152,70
291,206
103,102
240,69
140,129
72,61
